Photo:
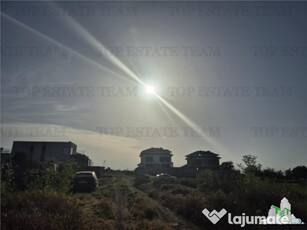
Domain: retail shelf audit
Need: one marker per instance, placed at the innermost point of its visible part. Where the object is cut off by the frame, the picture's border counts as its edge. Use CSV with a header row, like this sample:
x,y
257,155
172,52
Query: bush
x,y
166,187
104,210
191,208
189,183
7,179
181,190
152,225
208,181
40,210
52,176
140,179
48,176
141,209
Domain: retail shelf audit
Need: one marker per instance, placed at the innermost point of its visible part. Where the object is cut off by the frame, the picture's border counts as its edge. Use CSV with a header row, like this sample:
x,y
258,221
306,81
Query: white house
x,y
157,158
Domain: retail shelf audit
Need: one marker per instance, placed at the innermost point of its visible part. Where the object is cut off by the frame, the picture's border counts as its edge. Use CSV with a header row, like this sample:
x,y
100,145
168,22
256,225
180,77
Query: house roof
x,y
204,154
158,151
48,142
79,155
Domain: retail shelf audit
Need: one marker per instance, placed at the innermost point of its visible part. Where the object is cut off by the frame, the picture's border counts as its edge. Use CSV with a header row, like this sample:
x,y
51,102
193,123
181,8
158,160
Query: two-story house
x,y
202,160
42,151
156,158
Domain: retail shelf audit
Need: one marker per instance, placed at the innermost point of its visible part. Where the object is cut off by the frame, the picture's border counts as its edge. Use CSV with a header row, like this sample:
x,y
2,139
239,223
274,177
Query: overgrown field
x,y
43,205
40,197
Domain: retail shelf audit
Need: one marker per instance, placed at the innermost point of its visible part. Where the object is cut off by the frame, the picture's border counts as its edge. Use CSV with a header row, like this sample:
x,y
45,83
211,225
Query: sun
x,y
150,89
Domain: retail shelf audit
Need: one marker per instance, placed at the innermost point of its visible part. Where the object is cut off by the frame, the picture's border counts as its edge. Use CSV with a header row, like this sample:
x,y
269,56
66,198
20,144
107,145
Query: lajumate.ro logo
x,y
276,215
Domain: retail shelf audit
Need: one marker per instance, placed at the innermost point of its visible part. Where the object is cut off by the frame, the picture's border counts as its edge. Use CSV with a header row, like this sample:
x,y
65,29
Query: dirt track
x,y
124,218
168,216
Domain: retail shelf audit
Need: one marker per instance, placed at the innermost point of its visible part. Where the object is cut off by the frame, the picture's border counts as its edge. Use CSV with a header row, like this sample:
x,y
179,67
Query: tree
x,y
288,173
227,165
299,172
250,165
20,164
272,174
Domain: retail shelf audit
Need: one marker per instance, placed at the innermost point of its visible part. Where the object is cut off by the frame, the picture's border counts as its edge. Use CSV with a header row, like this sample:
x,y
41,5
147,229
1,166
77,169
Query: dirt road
x,y
118,205
171,219
123,217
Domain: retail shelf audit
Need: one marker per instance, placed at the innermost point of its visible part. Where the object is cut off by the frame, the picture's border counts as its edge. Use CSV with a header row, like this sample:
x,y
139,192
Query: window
x,y
165,166
164,159
213,162
66,151
43,153
197,162
149,159
31,152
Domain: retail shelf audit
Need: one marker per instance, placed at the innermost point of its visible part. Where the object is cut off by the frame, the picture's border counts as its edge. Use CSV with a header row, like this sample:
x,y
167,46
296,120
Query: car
x,y
85,181
165,176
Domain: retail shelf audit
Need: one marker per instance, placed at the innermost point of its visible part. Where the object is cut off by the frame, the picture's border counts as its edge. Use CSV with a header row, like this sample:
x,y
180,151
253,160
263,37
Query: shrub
x,y
208,181
104,210
141,209
191,208
167,186
189,183
7,178
140,179
40,210
152,225
180,190
17,176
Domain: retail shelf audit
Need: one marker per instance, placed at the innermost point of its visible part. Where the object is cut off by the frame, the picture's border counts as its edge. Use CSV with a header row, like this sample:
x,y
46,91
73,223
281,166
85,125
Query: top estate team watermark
x,y
134,10
133,91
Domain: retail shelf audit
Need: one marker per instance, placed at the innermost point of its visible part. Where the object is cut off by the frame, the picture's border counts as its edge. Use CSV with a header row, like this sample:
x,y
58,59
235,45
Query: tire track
x,y
166,215
123,217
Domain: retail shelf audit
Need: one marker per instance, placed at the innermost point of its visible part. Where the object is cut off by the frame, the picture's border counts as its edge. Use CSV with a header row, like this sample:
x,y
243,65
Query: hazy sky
x,y
237,70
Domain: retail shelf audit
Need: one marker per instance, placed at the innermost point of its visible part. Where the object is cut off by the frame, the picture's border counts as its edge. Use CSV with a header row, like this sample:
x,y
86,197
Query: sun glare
x,y
150,89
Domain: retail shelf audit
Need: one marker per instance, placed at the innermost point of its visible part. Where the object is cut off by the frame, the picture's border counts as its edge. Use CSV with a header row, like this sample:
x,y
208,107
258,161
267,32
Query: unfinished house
x,y
201,160
42,151
155,160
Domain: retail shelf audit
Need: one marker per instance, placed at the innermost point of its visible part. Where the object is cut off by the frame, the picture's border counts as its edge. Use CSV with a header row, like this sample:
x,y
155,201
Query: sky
x,y
229,77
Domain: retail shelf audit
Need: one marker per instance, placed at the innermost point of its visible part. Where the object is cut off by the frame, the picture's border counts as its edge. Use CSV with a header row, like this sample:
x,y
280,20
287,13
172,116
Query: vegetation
x,y
39,196
252,191
39,209
21,175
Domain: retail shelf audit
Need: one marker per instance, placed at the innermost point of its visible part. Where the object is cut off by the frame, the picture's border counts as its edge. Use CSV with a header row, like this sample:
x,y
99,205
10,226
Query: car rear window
x,y
84,175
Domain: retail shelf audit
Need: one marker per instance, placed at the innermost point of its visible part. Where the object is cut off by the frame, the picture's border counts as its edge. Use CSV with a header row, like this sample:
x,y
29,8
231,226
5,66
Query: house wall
x,y
81,159
99,170
42,151
203,162
155,160
5,157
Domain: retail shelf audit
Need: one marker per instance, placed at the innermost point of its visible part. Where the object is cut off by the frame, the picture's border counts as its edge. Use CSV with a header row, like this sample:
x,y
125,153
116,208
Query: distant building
x,y
81,159
99,170
5,157
155,159
202,160
42,151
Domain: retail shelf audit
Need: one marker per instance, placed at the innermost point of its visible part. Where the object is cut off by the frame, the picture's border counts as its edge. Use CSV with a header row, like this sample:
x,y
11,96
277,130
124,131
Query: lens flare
x,y
150,89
